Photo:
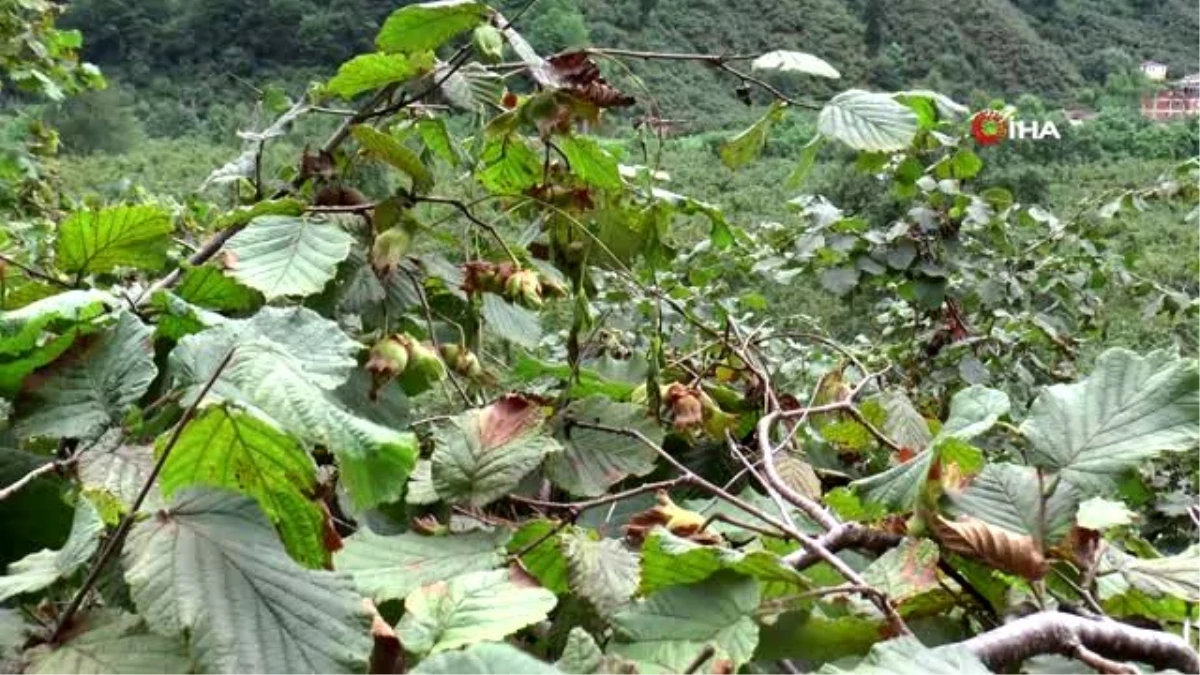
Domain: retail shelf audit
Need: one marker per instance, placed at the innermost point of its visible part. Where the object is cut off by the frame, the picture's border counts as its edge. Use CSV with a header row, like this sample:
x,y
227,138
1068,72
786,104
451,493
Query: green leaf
x,y
14,633
367,72
1006,495
427,26
206,286
973,411
488,42
316,344
483,453
373,460
746,146
484,659
119,471
287,206
786,61
906,571
1176,576
281,255
1101,514
808,157
38,570
868,121
604,572
112,642
666,631
545,561
1128,410
816,637
593,461
470,608
669,560
906,655
212,567
392,151
965,164
471,87
898,488
225,448
509,166
83,396
36,334
511,321
904,424
91,241
581,655
389,568
590,162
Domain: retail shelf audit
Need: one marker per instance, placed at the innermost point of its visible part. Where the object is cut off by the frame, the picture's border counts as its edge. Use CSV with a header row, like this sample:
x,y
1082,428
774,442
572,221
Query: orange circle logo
x,y
989,127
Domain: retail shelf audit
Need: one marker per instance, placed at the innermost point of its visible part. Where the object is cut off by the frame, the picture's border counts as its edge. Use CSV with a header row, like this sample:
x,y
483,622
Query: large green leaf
x,y
907,655
1128,410
868,121
470,608
389,568
484,659
38,570
581,655
904,423
367,72
747,145
604,572
511,321
510,165
483,453
1006,495
1175,576
590,162
112,642
670,560
268,379
426,26
666,631
212,567
392,151
36,334
317,345
206,286
899,487
82,396
227,448
973,411
282,255
92,241
591,460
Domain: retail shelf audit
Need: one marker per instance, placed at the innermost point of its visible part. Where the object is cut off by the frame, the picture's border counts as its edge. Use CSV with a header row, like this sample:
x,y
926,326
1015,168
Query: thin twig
x,y
114,542
34,273
487,227
582,506
705,654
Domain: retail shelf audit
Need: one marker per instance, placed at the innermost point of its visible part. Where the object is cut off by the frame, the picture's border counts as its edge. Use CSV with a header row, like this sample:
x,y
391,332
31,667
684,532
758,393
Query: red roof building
x,y
1178,99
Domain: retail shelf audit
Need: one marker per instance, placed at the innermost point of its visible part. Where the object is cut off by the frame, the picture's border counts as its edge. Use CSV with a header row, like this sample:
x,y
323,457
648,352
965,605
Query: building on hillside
x,y
1178,99
1153,70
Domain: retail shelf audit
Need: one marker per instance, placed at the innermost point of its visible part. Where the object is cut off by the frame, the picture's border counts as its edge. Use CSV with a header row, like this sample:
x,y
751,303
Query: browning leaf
x,y
387,656
996,546
507,419
578,74
680,521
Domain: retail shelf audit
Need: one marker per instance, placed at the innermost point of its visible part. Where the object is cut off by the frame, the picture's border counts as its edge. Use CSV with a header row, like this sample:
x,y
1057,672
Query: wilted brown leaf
x,y
387,656
996,546
577,73
681,522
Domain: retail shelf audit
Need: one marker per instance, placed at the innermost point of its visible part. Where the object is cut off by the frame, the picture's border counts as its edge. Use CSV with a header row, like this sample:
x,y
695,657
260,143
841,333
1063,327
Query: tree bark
x,y
1059,633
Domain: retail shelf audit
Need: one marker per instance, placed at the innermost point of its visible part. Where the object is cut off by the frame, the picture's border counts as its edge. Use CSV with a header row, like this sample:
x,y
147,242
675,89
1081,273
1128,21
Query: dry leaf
x,y
680,521
996,546
799,475
387,656
577,73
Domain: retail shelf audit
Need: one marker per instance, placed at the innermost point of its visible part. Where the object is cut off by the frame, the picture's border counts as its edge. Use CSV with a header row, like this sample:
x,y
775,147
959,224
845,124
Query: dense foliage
x,y
435,375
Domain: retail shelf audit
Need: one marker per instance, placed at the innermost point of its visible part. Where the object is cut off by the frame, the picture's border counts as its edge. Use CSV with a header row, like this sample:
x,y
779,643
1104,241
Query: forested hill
x,y
1054,49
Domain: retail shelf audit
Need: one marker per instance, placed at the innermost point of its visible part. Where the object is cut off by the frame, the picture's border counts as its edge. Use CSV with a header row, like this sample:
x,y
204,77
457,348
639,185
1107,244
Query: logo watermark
x,y
989,127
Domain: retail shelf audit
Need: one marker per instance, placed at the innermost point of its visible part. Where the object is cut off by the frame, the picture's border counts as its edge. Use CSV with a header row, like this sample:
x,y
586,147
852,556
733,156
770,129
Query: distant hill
x,y
980,48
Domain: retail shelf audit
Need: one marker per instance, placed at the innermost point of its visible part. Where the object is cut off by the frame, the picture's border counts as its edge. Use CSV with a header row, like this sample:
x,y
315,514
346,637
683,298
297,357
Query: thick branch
x,y
845,535
1059,633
